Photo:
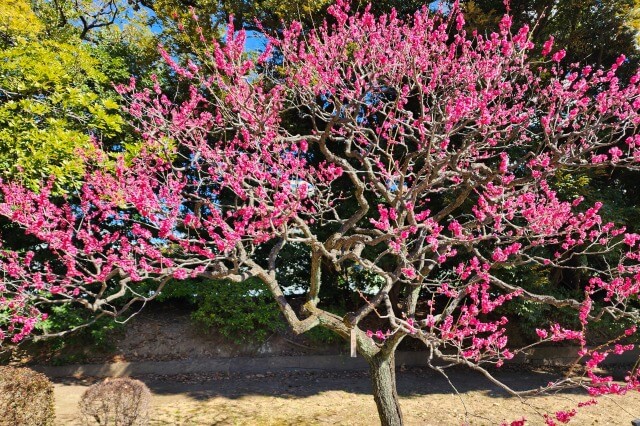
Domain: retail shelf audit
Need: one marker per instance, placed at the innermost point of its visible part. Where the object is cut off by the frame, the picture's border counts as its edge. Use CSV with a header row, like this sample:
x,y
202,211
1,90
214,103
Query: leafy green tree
x,y
56,89
592,31
269,12
54,96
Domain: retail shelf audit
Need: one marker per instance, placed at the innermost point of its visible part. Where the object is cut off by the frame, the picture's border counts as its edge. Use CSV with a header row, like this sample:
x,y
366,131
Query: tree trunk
x,y
383,379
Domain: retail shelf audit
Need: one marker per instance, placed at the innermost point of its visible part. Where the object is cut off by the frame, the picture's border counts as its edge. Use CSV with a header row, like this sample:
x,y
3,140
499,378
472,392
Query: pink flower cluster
x,y
407,168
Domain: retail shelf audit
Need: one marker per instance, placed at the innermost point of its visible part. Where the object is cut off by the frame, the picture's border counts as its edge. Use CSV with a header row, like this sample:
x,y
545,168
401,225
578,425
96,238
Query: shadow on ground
x,y
344,398
302,384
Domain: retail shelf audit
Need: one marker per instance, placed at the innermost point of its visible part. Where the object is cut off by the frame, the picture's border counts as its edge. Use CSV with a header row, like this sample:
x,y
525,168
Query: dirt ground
x,y
307,398
165,333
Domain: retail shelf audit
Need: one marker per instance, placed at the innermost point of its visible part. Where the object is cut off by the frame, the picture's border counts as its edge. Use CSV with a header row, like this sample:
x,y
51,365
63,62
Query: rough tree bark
x,y
383,380
381,360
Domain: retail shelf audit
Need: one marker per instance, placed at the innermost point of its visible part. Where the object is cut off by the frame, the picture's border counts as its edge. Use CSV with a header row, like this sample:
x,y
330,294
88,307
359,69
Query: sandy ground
x,y
306,398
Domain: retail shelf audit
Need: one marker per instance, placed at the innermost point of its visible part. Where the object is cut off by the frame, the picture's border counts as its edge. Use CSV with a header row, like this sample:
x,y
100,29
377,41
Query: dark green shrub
x,y
116,402
321,335
26,398
242,312
239,311
78,346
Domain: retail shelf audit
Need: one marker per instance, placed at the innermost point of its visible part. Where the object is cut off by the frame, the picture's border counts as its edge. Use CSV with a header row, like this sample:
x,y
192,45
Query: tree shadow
x,y
345,398
411,382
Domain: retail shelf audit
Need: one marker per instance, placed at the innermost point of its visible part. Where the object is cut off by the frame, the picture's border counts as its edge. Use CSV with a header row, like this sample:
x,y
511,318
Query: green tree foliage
x,y
17,19
242,312
592,31
245,13
54,95
56,90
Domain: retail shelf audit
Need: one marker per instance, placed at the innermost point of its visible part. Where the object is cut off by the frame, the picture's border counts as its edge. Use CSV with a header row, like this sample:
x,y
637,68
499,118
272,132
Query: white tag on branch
x,y
354,352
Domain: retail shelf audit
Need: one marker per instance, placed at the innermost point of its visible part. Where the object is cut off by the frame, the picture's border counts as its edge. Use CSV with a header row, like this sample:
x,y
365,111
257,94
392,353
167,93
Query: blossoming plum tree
x,y
428,165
